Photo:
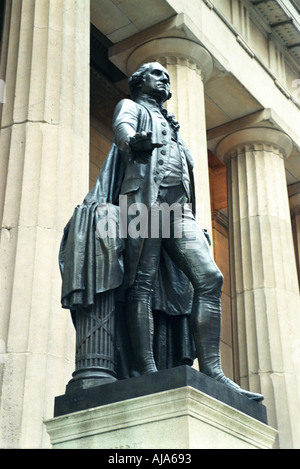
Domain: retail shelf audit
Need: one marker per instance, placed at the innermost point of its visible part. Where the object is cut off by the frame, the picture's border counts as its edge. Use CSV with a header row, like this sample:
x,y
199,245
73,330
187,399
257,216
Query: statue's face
x,y
156,82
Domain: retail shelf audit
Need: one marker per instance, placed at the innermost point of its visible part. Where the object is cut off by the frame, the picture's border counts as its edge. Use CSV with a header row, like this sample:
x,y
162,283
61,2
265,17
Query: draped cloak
x,y
91,264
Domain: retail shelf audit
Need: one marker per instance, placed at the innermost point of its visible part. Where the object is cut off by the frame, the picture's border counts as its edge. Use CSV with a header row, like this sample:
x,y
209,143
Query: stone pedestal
x,y
179,408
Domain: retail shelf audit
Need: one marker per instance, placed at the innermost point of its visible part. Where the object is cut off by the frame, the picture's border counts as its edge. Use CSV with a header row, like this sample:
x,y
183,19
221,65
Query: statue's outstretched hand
x,y
142,146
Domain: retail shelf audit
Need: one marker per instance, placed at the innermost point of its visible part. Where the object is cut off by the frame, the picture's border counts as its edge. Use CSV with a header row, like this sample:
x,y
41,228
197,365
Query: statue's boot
x,y
206,325
140,327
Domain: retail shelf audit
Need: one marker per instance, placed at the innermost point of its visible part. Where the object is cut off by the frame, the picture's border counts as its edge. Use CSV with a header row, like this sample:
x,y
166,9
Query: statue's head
x,y
152,79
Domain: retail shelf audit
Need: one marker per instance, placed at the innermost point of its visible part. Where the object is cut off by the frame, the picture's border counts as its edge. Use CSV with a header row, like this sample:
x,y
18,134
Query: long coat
x,y
91,265
142,181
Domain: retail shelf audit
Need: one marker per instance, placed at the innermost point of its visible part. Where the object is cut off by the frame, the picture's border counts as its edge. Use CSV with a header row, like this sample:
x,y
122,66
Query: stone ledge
x,y
180,418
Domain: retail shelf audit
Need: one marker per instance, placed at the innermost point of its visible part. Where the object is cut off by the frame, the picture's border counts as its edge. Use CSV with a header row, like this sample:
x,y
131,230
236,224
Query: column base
x,y
87,378
179,408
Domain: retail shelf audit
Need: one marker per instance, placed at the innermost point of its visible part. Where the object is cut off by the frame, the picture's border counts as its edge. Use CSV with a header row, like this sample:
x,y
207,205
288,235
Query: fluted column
x,y
294,198
44,174
265,290
190,65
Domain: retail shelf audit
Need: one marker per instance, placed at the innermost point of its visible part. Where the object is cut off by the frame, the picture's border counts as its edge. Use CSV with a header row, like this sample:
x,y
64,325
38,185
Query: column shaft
x,y
265,291
189,109
45,163
294,198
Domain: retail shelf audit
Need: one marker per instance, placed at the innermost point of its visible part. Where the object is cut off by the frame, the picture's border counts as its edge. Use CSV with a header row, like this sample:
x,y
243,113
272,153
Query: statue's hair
x,y
135,80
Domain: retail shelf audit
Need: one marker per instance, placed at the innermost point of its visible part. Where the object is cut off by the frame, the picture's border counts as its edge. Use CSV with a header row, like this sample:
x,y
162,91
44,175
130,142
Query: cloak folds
x,y
88,263
91,265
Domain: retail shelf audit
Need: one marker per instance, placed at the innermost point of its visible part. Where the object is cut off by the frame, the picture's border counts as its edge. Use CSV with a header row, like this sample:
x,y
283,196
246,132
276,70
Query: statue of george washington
x,y
164,287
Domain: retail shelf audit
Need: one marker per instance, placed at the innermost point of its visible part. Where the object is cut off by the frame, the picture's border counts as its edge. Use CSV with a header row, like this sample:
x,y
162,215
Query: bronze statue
x,y
156,260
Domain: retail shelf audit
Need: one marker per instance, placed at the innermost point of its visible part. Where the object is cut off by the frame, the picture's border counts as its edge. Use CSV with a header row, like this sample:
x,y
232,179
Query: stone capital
x,y
184,50
254,137
175,40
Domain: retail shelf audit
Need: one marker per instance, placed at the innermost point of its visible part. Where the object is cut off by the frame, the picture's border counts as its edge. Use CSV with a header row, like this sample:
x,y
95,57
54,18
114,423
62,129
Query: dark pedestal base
x,y
77,399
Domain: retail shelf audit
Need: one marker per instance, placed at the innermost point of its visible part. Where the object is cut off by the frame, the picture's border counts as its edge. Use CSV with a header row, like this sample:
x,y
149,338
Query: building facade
x,y
235,77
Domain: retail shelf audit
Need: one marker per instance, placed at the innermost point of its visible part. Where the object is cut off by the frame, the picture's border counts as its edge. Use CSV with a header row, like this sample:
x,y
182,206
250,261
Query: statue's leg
x,y
206,324
138,308
140,327
192,255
